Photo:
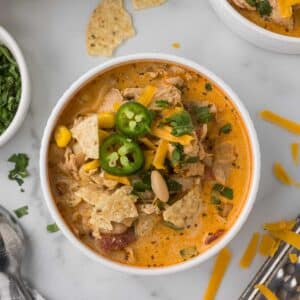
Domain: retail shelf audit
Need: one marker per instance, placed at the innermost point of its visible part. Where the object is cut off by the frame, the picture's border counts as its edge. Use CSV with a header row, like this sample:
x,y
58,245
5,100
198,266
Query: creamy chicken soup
x,y
150,164
279,16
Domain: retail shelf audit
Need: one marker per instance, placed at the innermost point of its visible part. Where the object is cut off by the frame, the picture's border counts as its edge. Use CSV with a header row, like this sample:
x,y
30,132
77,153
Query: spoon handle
x,y
22,288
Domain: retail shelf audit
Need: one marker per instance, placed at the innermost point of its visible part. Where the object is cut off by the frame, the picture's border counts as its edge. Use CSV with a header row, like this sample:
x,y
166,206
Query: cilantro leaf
x,y
181,123
227,128
264,8
19,172
203,114
21,212
162,103
177,154
225,191
208,87
52,228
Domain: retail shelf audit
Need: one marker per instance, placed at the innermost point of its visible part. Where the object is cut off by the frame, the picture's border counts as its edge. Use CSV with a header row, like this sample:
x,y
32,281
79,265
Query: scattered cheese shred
x,y
280,226
148,143
295,153
149,157
266,292
275,247
92,165
266,244
176,45
121,179
160,155
117,105
280,121
147,95
165,133
293,258
220,267
290,237
250,252
282,175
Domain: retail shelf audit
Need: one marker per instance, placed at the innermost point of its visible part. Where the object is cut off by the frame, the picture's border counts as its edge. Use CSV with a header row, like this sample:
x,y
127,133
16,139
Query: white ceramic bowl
x,y
255,34
82,81
10,43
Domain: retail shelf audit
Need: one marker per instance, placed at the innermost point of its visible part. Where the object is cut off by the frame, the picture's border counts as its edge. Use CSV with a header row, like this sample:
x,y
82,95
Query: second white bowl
x,y
253,33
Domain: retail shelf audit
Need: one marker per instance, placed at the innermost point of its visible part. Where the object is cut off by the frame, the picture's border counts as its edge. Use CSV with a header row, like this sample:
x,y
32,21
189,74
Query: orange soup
x,y
266,14
150,164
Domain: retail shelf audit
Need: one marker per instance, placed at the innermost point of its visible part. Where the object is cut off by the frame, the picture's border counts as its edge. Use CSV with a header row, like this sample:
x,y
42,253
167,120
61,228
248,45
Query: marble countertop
x,y
51,34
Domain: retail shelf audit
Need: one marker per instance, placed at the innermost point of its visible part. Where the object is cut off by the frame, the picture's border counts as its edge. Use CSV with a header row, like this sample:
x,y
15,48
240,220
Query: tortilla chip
x,y
85,131
109,26
142,4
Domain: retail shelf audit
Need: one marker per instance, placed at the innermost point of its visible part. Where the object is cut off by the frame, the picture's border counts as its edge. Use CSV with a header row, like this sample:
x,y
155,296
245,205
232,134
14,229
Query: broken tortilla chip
x,y
143,4
109,25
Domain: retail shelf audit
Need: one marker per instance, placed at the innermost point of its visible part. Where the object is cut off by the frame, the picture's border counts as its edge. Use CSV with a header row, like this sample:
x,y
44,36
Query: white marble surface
x,y
51,34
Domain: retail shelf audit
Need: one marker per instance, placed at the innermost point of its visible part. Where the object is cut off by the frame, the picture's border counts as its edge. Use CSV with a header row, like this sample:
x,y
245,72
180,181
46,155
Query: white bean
x,y
159,186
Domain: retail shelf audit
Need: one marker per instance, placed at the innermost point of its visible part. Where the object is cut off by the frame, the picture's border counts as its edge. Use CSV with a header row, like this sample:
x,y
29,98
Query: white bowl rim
x,y
252,26
51,203
11,44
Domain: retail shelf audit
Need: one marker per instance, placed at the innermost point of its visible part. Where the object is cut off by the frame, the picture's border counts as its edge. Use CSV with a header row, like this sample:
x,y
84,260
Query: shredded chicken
x,y
243,4
176,81
132,93
112,97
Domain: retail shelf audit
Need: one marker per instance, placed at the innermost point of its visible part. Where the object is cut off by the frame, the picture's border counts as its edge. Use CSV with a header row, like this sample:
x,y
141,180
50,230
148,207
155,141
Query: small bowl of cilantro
x,y
14,87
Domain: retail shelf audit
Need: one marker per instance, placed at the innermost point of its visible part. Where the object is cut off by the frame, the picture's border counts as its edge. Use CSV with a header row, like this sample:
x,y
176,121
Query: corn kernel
x,y
106,120
92,165
62,136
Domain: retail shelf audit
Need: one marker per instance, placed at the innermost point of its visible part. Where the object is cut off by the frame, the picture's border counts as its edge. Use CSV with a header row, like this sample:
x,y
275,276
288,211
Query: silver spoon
x,y
12,248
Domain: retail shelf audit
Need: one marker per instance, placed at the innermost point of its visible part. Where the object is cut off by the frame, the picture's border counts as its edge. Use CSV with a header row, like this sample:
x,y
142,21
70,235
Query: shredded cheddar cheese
x,y
268,294
165,133
280,226
220,267
147,95
275,247
286,7
116,106
92,165
250,252
266,244
295,153
149,157
290,237
148,143
278,120
282,175
121,179
293,258
160,155
176,45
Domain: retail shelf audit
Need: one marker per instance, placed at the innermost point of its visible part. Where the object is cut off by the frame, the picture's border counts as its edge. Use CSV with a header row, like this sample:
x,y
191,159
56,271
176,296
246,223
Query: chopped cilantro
x,y
162,103
215,200
208,87
181,123
19,172
173,185
142,185
52,228
227,128
21,212
203,114
177,154
225,191
264,8
251,2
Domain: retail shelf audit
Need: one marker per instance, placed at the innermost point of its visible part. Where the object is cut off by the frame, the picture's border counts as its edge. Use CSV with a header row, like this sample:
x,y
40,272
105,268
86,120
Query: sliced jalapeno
x,y
133,119
120,155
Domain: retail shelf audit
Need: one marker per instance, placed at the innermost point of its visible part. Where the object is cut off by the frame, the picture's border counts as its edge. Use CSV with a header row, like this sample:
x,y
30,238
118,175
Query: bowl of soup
x,y
270,24
149,164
